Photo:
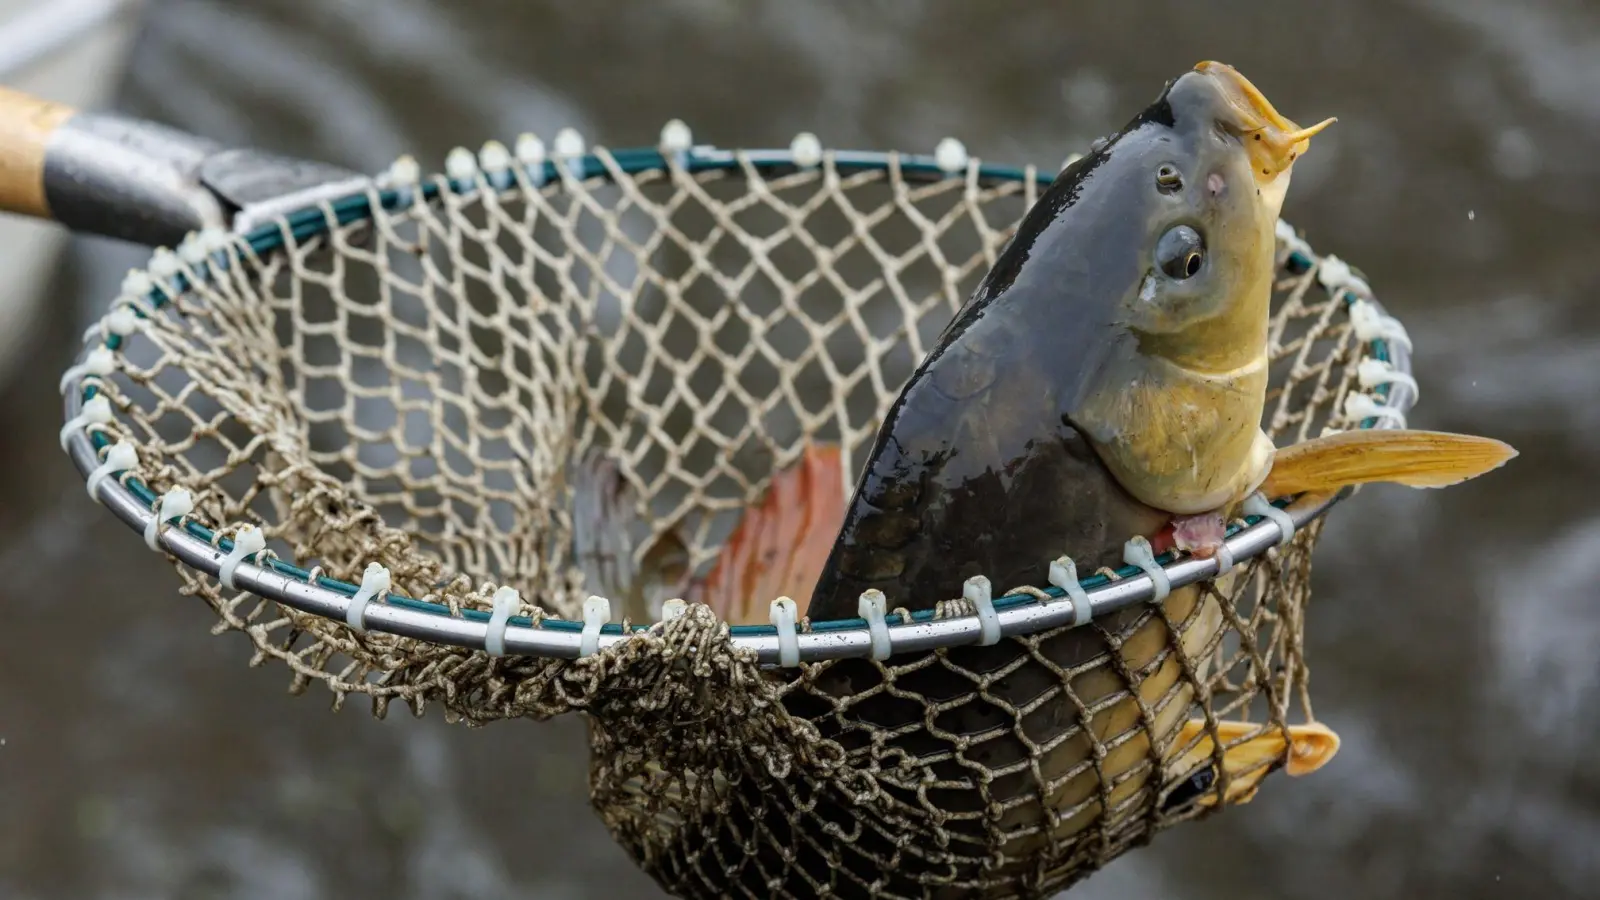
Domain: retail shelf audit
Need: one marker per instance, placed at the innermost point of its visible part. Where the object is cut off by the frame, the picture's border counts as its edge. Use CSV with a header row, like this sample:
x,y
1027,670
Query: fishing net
x,y
417,397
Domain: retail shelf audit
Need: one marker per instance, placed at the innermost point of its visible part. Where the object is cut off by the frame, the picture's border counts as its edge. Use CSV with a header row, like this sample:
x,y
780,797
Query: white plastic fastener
x,y
374,583
405,170
99,362
1374,372
191,250
96,411
460,164
120,458
1138,552
673,609
596,613
1224,559
164,264
1256,505
950,156
174,504
529,149
806,149
873,606
1064,575
1370,325
494,157
569,143
1360,406
247,541
137,283
506,603
121,321
676,137
214,239
784,616
980,594
1285,233
1335,275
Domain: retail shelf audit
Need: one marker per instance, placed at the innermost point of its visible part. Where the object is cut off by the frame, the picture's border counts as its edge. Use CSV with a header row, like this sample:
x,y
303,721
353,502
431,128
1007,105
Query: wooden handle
x,y
26,124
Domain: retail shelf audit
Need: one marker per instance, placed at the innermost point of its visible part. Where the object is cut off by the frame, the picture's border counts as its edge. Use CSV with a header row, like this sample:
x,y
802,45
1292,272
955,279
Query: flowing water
x,y
1453,635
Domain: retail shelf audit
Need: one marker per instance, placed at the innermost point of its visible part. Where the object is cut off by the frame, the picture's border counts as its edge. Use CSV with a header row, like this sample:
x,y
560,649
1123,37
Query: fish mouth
x,y
1272,141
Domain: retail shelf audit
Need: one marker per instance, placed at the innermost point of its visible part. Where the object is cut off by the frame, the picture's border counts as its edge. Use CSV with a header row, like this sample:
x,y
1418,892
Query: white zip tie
x,y
213,240
673,609
569,143
1138,552
873,606
676,137
374,583
164,264
978,591
1370,325
950,156
1256,505
404,170
96,411
529,149
1360,406
1294,242
530,152
249,540
494,158
100,362
1224,559
806,149
174,504
137,283
506,603
1373,372
191,250
596,613
784,616
460,164
1064,575
1335,275
120,458
122,321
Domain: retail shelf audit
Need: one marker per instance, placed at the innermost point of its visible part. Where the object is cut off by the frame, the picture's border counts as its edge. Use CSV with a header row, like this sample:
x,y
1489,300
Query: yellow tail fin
x,y
1421,459
1309,748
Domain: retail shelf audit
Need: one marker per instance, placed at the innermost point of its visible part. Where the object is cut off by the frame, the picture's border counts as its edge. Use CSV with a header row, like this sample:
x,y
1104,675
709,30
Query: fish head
x,y
1218,159
1175,410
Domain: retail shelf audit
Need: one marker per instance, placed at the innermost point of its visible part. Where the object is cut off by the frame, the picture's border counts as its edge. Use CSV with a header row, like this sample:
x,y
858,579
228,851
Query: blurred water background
x,y
1453,636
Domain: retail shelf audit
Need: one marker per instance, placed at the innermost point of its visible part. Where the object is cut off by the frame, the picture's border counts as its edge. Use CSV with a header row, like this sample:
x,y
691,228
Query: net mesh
x,y
436,389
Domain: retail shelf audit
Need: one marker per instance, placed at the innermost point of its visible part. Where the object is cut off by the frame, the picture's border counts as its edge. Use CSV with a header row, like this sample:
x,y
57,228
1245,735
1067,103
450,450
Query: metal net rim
x,y
200,546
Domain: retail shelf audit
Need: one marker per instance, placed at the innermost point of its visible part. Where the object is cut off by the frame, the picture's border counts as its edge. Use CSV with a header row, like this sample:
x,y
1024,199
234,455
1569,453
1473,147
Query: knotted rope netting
x,y
361,432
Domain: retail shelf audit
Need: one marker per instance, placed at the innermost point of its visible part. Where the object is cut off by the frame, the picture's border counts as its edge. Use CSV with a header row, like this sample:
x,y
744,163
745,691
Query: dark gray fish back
x,y
979,468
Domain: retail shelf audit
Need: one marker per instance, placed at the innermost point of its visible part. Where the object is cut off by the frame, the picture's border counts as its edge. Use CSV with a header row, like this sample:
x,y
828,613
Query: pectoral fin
x,y
1420,459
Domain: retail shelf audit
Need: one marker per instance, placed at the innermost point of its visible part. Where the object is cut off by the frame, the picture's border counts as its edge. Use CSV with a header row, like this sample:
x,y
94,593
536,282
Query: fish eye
x,y
1180,253
1168,179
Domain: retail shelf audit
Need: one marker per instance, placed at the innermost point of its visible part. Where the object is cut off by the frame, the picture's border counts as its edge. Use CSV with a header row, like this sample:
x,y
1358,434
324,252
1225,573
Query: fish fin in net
x,y
1250,751
781,544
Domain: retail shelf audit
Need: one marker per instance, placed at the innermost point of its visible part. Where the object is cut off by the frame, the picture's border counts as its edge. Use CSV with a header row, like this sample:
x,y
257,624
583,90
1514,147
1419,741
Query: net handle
x,y
26,125
138,181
